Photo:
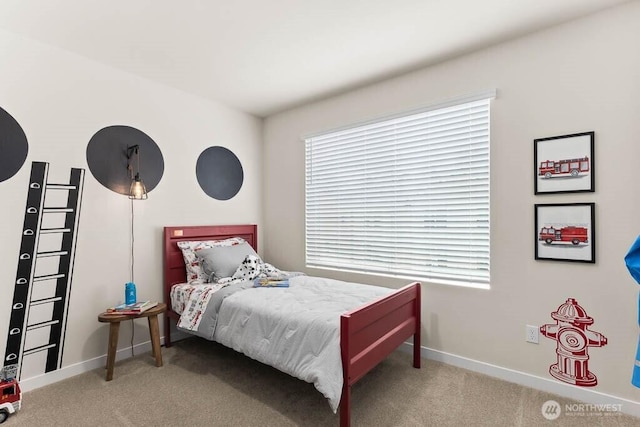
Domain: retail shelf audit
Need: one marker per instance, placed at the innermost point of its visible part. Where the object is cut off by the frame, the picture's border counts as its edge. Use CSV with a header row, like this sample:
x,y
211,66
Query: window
x,y
406,196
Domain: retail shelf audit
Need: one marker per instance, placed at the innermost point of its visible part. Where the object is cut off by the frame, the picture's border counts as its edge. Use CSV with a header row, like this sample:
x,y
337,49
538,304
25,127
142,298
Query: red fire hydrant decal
x,y
573,342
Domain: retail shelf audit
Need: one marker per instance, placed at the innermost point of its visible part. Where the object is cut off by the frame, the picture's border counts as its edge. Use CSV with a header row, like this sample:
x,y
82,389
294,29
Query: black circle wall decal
x,y
13,146
107,158
219,173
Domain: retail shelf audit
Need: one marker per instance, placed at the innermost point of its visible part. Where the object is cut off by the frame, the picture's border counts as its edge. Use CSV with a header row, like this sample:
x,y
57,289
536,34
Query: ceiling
x,y
265,56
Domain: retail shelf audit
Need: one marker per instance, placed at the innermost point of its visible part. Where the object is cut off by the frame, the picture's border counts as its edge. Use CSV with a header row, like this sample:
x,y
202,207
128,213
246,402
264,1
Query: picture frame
x,y
564,164
565,232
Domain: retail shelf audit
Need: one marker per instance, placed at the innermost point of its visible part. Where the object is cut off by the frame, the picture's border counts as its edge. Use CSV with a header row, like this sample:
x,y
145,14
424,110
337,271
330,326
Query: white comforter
x,y
295,329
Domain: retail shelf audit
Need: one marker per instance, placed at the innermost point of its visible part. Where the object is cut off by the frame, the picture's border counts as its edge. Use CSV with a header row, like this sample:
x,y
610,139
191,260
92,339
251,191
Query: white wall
x,y
582,76
61,100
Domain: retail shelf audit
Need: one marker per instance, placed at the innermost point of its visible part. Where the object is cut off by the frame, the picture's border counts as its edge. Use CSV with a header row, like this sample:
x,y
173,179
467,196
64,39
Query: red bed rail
x,y
370,333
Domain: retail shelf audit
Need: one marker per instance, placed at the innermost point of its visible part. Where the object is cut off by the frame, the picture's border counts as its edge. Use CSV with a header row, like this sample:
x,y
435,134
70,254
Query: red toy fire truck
x,y
11,395
575,235
565,167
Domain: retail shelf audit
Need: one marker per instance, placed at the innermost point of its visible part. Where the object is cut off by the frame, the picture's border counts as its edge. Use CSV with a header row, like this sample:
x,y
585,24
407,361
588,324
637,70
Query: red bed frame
x,y
367,335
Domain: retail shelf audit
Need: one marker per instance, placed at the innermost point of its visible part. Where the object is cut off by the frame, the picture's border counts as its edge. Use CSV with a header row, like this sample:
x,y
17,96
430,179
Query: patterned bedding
x,y
294,329
180,294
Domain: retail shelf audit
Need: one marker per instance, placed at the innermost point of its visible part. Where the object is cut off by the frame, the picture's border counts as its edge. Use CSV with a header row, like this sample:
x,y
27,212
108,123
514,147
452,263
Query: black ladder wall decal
x,y
27,280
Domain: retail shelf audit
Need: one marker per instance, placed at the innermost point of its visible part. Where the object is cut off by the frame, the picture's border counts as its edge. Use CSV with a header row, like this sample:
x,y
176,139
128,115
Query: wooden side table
x,y
114,328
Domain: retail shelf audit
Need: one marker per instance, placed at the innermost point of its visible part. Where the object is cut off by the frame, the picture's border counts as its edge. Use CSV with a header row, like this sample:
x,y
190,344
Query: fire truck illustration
x,y
573,342
11,397
565,167
572,234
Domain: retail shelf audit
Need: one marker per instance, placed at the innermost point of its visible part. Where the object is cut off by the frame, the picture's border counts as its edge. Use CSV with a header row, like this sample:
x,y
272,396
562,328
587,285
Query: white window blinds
x,y
406,196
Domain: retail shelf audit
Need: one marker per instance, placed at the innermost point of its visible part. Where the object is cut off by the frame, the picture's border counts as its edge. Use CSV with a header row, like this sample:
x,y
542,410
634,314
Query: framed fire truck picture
x,y
565,232
564,164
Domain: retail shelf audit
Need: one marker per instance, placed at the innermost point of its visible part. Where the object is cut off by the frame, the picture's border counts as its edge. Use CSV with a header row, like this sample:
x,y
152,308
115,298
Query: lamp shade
x,y
137,191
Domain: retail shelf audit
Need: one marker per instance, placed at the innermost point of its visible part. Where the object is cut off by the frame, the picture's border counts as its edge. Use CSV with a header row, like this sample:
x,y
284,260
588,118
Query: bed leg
x,y
416,350
345,407
416,335
167,331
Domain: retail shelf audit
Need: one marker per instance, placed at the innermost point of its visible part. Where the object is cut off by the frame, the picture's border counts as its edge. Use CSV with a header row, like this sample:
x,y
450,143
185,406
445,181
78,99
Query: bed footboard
x,y
369,334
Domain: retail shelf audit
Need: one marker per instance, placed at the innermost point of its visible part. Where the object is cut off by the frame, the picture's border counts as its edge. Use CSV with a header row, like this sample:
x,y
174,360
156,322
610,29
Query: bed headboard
x,y
174,270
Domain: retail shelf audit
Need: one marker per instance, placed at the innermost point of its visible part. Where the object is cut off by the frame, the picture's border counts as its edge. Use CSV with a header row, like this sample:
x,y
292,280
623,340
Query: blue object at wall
x,y
632,260
635,379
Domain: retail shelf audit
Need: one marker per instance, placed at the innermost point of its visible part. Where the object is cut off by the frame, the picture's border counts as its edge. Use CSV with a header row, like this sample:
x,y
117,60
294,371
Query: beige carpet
x,y
206,384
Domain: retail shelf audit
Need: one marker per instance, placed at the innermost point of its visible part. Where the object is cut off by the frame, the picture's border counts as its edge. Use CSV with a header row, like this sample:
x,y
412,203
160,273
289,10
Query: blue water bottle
x,y
130,293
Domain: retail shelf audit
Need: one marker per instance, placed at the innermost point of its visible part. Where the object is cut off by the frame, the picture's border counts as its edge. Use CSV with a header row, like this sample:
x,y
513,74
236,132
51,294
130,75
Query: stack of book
x,y
135,308
271,283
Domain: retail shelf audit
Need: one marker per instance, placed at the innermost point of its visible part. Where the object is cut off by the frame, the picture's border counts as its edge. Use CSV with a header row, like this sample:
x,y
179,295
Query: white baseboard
x,y
580,394
69,371
551,386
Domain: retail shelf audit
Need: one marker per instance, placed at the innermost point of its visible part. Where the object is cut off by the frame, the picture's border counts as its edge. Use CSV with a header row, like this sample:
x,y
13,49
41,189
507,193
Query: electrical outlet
x,y
532,334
